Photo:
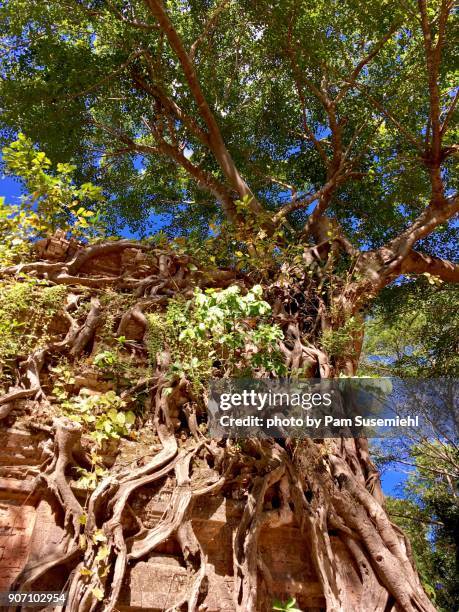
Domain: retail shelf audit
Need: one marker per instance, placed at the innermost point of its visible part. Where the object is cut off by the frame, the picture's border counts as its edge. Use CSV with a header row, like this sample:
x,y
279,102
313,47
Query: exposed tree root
x,y
67,436
246,541
317,487
31,368
86,333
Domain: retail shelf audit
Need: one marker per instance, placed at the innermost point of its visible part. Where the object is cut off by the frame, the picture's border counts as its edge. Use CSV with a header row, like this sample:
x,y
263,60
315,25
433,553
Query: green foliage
x,y
53,201
339,342
69,71
14,233
27,308
414,332
64,378
90,478
429,514
105,360
223,327
115,366
101,566
288,606
111,365
103,416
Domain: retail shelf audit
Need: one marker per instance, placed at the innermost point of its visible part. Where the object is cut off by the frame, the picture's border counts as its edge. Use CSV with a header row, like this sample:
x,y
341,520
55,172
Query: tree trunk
x,y
327,490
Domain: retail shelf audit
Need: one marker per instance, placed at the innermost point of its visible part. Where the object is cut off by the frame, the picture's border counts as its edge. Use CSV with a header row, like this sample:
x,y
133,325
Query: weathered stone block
x,y
157,582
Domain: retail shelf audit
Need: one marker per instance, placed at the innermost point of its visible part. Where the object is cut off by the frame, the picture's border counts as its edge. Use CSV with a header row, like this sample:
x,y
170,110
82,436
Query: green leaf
x,y
108,427
130,418
98,593
113,414
102,553
121,418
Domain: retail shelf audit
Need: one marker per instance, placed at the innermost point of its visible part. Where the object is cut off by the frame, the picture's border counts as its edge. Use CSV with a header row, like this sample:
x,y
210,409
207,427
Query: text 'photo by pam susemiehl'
x,y
326,408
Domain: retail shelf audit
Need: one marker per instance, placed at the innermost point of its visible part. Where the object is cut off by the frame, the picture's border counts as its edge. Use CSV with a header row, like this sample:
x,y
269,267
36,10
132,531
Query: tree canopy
x,y
186,107
413,331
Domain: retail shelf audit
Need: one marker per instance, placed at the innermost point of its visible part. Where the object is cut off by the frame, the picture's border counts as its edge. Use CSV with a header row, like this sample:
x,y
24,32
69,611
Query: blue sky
x,y
10,189
392,481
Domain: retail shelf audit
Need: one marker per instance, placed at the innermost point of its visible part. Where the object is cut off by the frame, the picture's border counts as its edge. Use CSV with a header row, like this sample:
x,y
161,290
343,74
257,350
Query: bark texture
x,y
323,487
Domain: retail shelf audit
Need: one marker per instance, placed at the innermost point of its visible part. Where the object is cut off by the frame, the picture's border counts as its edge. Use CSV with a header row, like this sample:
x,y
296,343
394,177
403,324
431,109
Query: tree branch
x,y
433,53
390,116
436,213
135,23
397,257
308,131
416,519
216,141
131,144
449,113
156,92
351,79
338,170
212,21
320,194
203,178
419,263
106,78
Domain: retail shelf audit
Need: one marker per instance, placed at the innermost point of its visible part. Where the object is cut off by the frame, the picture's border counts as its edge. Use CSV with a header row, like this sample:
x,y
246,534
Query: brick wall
x,y
28,531
16,526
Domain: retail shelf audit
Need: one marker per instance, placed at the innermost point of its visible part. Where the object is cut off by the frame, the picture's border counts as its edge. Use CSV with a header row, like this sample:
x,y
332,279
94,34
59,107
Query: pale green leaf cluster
x,y
102,415
223,327
52,201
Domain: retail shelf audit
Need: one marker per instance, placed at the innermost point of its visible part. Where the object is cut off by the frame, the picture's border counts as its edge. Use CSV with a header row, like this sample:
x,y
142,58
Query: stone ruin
x,y
29,526
29,521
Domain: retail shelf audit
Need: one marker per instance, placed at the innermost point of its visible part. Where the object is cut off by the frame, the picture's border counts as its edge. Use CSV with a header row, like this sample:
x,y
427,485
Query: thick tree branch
x,y
436,213
433,61
204,179
433,52
397,257
216,141
419,263
322,195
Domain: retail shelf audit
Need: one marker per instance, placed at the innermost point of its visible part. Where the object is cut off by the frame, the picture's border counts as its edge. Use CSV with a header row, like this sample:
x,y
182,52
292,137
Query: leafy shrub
x,y
26,310
220,327
52,202
103,416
